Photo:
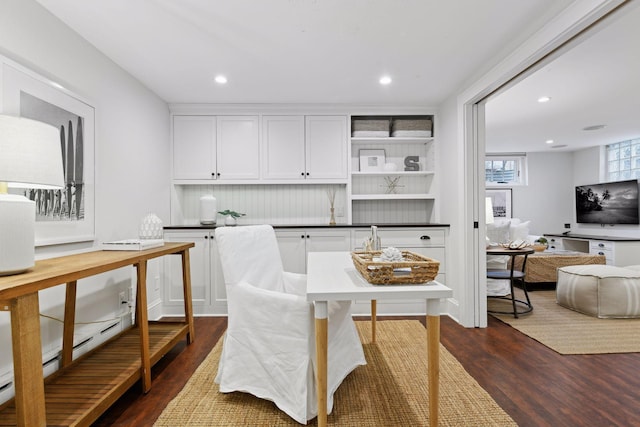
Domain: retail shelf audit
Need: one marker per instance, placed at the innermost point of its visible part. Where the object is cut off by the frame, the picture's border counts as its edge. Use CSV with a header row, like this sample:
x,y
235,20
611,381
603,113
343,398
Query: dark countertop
x,y
592,237
283,226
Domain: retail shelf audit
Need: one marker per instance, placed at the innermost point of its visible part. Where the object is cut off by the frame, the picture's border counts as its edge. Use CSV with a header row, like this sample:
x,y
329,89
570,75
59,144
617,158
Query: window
x,y
505,169
623,160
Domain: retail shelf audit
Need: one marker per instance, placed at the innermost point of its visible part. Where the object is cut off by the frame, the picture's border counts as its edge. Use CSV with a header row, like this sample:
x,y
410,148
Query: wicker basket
x,y
414,269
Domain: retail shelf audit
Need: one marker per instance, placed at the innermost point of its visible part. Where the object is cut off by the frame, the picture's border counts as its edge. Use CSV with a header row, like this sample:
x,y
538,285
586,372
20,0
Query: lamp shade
x,y
30,154
30,157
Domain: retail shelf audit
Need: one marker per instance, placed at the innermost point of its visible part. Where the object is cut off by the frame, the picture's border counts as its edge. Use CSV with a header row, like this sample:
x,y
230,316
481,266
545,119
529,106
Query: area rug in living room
x,y
569,332
391,390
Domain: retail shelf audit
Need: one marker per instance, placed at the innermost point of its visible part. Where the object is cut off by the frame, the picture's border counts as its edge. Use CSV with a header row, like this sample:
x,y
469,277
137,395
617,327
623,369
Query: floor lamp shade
x,y
30,157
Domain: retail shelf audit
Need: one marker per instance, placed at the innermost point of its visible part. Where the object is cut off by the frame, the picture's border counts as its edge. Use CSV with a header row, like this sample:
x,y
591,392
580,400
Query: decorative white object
x,y
391,254
30,157
208,210
151,227
230,220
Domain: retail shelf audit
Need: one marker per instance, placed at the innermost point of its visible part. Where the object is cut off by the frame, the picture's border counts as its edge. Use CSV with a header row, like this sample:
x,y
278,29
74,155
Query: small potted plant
x,y
540,244
230,216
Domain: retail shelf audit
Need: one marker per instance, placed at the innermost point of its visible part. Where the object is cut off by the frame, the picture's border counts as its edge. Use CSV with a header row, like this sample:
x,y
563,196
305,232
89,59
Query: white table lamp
x,y
30,157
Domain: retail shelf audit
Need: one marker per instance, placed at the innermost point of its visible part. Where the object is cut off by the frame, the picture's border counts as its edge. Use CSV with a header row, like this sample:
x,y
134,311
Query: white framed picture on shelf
x,y
372,160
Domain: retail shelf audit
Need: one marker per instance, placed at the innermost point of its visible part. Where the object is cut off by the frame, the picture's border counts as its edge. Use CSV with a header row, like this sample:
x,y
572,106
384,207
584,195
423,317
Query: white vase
x,y
208,210
229,220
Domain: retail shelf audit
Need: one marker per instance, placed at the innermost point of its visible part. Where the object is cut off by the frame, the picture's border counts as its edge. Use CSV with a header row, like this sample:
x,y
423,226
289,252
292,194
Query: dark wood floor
x,y
534,384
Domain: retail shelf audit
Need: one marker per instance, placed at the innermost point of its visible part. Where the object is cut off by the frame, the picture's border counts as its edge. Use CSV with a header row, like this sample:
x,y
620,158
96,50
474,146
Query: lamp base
x,y
17,234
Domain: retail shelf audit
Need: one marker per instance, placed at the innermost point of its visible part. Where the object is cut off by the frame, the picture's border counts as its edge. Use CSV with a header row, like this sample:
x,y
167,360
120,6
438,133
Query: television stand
x,y
619,251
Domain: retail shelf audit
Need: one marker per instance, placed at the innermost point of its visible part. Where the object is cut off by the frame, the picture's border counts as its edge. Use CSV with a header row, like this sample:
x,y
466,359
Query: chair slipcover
x,y
269,347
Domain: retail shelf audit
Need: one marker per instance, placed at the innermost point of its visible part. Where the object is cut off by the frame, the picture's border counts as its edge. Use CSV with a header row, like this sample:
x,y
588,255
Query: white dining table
x,y
331,276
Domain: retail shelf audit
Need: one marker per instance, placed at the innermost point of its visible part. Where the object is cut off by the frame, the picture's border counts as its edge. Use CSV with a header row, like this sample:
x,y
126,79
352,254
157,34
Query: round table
x,y
512,275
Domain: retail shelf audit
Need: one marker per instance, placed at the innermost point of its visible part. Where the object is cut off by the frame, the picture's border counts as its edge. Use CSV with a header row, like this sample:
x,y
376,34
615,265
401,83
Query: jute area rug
x,y
391,390
569,332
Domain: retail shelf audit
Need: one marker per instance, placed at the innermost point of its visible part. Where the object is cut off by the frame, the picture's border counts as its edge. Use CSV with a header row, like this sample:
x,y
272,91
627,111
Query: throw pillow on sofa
x,y
498,232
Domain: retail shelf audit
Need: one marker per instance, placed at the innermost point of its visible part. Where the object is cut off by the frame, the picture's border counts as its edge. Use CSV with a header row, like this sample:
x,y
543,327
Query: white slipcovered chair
x,y
269,347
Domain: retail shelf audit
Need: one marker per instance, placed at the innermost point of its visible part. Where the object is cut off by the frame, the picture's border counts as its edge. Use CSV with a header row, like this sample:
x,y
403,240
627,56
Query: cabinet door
x,y
283,142
292,250
326,147
238,147
200,271
194,147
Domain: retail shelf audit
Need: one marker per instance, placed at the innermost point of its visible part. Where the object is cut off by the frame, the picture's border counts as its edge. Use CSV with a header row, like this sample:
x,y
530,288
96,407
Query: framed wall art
x,y
66,215
371,160
501,201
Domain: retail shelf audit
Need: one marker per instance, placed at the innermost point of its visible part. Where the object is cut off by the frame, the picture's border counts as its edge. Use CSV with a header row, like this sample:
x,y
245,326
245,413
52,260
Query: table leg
x,y
374,312
69,323
143,325
321,318
433,357
188,303
27,360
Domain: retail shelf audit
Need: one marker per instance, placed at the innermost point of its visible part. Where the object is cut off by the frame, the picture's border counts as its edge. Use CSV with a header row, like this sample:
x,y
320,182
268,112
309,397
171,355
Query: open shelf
x,y
392,197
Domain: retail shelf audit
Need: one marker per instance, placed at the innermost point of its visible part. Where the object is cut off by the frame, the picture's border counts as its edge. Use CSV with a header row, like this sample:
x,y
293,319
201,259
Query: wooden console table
x,y
82,389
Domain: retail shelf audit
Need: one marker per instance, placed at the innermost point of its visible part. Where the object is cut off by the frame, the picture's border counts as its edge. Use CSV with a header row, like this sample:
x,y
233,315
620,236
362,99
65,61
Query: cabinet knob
x,y
206,237
213,174
600,253
307,173
302,237
218,173
601,245
301,173
425,237
307,236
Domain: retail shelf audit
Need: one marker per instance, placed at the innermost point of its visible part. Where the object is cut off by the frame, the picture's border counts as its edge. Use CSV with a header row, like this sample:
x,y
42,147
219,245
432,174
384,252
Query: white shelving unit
x,y
393,195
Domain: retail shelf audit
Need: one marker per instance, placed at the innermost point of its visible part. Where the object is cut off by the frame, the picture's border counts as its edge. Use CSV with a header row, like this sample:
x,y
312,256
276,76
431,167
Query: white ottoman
x,y
602,291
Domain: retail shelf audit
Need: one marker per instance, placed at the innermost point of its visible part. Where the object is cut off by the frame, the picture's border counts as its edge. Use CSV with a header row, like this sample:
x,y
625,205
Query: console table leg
x,y
27,360
188,303
433,359
143,325
69,321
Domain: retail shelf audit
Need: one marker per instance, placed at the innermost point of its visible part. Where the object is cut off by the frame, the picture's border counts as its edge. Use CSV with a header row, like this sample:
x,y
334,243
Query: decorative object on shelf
x,y
151,227
371,160
516,244
208,210
412,163
30,159
411,127
231,217
392,184
331,194
376,128
372,242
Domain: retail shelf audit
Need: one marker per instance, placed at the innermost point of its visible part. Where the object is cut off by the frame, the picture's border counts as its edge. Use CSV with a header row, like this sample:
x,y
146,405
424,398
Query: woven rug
x,y
569,332
391,390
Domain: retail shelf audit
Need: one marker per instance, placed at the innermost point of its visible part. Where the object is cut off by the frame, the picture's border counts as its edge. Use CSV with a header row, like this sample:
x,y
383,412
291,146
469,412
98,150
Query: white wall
x,y
131,154
547,199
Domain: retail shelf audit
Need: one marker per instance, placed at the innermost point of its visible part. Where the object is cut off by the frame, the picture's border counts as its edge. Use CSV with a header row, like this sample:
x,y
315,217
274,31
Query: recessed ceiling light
x,y
549,141
385,80
544,99
594,127
221,79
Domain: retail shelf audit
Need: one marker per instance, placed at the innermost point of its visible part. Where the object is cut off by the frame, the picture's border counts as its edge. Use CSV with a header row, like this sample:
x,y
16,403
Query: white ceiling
x,y
334,51
595,83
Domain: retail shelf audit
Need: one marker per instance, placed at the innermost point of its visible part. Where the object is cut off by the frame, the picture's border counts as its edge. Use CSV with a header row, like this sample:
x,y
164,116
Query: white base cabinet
x,y
207,281
619,252
296,244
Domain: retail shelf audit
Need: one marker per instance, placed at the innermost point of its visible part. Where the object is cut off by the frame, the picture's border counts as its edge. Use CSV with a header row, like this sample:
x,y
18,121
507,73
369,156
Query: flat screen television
x,y
608,203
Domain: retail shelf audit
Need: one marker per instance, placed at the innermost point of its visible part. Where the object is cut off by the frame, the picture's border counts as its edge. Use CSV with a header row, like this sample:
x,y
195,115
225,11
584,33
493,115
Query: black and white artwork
x,y
66,204
501,201
65,215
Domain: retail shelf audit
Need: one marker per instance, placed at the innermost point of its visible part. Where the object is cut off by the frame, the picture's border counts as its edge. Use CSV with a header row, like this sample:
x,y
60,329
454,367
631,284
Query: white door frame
x,y
565,31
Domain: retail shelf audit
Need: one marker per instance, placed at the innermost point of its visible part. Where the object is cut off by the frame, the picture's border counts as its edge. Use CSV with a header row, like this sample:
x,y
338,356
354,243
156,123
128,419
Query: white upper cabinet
x,y
238,147
283,139
326,147
210,147
305,147
194,147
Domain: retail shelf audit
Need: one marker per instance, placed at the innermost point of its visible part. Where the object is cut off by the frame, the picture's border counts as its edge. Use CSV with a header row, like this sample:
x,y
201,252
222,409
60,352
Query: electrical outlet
x,y
122,298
